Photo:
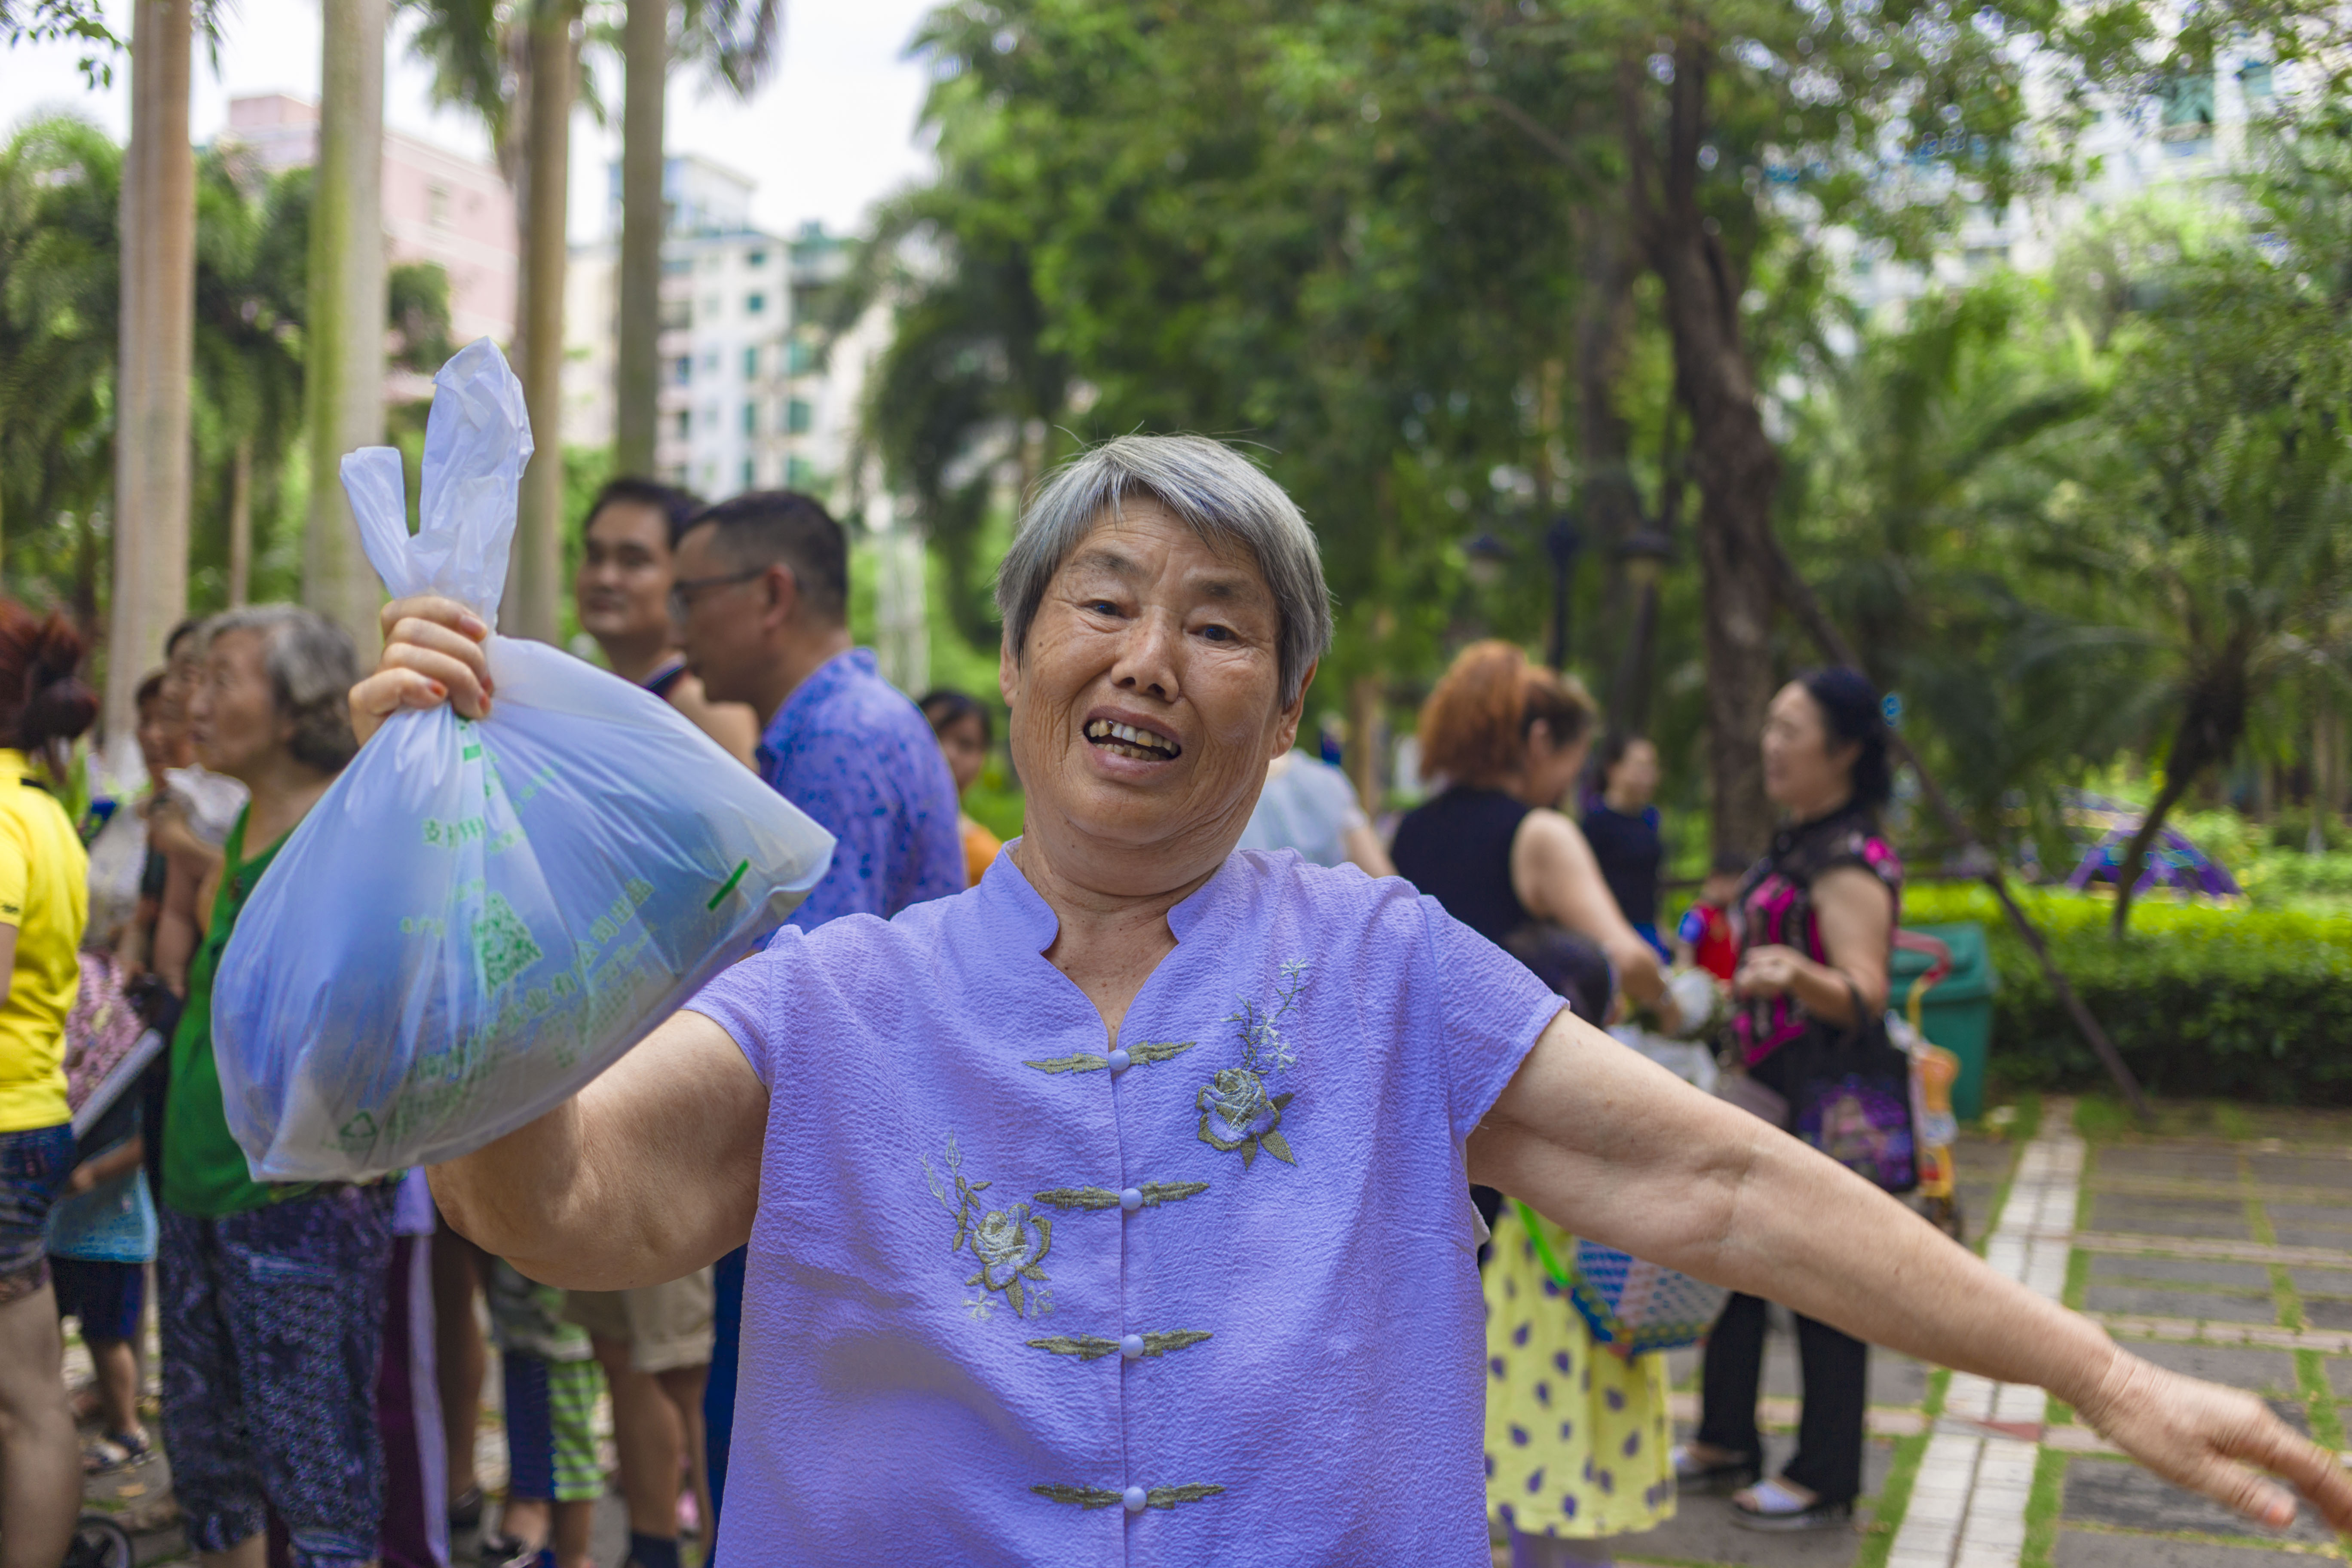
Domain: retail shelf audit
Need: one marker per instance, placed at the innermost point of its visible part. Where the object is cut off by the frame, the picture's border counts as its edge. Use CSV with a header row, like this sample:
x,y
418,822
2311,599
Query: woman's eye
x,y
1217,634
1102,606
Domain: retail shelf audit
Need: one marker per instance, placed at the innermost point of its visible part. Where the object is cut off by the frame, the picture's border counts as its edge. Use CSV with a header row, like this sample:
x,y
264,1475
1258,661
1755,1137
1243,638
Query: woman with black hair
x,y
965,733
1815,921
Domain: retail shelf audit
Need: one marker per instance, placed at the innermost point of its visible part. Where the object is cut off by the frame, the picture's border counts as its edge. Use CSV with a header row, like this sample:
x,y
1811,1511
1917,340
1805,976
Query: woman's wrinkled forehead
x,y
1232,574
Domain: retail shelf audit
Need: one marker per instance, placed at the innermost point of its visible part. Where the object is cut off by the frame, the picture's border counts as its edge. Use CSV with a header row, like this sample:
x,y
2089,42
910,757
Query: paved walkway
x,y
2221,1246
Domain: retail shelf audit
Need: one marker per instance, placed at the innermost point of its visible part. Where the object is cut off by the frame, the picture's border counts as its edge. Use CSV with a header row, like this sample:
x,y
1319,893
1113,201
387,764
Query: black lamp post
x,y
1644,554
1563,542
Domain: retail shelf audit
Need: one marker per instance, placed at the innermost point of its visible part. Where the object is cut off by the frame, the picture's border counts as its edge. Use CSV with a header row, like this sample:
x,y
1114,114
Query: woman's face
x,y
1147,703
966,748
1634,780
233,712
1802,770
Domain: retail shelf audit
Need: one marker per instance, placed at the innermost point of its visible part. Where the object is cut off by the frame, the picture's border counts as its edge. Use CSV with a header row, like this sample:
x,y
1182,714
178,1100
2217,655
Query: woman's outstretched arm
x,y
1617,1148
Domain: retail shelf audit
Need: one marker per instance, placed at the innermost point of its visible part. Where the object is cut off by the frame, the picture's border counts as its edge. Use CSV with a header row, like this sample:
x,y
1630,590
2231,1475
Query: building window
x,y
677,267
711,363
682,370
677,315
748,477
799,357
750,419
798,417
685,424
752,362
754,303
436,206
755,258
800,474
710,308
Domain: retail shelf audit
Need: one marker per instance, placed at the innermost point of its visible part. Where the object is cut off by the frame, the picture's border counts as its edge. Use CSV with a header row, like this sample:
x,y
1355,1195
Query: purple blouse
x,y
1017,1297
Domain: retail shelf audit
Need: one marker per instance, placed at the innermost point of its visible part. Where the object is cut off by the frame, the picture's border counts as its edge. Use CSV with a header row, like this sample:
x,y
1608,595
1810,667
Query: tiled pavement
x,y
2221,1247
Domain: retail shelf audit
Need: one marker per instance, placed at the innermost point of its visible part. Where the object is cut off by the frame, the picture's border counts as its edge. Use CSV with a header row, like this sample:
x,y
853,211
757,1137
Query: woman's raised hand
x,y
432,653
2216,1440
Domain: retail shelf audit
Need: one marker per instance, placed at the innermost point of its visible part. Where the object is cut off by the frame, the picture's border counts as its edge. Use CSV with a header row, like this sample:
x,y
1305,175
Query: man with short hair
x,y
762,598
629,554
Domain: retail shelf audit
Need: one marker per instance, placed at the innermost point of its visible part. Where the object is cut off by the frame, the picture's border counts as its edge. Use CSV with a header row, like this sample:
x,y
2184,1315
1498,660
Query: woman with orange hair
x,y
1578,1445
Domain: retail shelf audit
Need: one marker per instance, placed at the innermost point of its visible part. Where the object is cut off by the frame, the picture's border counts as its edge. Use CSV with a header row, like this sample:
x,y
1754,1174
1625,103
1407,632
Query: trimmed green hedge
x,y
2240,1003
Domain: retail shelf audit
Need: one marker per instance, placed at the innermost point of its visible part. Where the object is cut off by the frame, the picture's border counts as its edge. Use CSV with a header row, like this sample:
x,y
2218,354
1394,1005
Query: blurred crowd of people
x,y
323,1360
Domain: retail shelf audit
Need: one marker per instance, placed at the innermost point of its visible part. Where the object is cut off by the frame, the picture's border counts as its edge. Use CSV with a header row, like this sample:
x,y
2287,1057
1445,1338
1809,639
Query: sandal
x,y
465,1510
1770,1505
1696,1476
115,1451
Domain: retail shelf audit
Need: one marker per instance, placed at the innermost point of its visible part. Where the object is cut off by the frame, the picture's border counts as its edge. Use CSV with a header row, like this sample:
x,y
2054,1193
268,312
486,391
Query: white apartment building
x,y
745,403
2197,131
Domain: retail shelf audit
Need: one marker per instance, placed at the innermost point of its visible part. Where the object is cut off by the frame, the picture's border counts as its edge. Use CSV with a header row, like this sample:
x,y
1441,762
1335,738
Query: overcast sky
x,y
832,131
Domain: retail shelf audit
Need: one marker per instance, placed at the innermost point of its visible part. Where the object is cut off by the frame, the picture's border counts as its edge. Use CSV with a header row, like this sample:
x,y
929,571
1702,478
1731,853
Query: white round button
x,y
1118,1059
1132,1346
1134,1500
1131,1199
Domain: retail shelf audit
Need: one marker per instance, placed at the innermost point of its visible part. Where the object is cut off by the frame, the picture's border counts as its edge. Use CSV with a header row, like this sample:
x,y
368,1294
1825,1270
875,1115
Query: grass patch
x,y
2078,1278
2232,1122
2041,1507
2289,1300
2104,1120
1893,1499
2311,1375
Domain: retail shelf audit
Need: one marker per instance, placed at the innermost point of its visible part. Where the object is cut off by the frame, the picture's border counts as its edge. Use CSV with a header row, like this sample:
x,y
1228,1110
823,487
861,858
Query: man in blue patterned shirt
x,y
761,594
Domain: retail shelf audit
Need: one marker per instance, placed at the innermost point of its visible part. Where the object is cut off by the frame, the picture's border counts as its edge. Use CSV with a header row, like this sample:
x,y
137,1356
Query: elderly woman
x,y
270,1300
1815,921
1117,1206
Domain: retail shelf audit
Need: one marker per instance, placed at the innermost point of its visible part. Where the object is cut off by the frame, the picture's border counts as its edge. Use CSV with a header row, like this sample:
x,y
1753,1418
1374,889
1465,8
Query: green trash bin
x,y
1956,1012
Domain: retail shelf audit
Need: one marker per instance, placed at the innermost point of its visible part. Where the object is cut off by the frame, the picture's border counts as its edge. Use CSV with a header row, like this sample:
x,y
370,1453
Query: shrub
x,y
2244,1004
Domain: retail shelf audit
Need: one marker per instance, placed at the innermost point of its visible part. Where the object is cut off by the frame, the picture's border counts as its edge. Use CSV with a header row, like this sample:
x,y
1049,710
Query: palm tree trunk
x,y
2210,726
152,447
537,564
637,373
343,378
240,523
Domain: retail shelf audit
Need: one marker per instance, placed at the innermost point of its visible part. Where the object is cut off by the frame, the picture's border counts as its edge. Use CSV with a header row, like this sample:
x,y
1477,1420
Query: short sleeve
x,y
14,869
1494,1009
741,1000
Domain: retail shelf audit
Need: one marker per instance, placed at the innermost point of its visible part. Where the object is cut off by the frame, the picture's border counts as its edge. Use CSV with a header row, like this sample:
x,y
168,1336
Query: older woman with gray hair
x,y
271,1299
1117,1208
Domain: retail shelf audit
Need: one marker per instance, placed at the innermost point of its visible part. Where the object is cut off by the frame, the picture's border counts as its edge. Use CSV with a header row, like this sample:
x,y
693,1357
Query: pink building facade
x,y
439,206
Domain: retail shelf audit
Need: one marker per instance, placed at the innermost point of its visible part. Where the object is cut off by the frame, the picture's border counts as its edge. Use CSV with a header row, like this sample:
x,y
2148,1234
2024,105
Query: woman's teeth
x,y
1126,741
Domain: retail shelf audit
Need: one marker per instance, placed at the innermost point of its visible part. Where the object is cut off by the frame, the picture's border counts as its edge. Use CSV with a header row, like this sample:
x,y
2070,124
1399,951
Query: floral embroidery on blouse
x,y
1008,1243
1237,1111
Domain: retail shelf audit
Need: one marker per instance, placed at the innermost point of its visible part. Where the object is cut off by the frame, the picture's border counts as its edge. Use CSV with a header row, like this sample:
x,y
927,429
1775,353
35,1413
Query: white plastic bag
x,y
478,918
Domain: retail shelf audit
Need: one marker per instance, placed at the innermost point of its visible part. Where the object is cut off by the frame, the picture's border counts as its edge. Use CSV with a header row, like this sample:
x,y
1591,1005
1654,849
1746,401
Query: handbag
x,y
1632,1306
1849,1092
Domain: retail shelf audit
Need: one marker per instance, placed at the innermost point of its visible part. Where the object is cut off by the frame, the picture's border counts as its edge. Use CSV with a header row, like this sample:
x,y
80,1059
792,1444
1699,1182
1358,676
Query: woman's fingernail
x,y
473,627
490,686
440,690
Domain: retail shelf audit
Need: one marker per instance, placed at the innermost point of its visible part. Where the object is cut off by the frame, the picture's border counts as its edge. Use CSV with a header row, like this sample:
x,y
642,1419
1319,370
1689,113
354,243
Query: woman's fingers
x,y
2211,1438
396,688
434,608
418,634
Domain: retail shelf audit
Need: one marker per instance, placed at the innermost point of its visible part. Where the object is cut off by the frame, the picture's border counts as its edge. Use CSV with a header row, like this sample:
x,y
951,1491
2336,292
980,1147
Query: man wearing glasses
x,y
762,598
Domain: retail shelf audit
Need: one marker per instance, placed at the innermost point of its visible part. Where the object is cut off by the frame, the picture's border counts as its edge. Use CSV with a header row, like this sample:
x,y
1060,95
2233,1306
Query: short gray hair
x,y
312,668
1227,501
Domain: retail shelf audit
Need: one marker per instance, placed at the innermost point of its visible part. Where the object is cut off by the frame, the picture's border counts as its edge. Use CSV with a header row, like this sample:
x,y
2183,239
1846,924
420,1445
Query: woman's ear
x,y
1540,742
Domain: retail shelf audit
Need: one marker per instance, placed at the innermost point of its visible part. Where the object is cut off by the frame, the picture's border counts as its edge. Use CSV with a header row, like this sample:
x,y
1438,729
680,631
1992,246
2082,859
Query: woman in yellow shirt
x,y
44,901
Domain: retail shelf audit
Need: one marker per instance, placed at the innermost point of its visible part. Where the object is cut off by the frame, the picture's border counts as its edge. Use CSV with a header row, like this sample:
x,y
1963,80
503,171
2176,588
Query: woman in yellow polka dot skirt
x,y
1577,1438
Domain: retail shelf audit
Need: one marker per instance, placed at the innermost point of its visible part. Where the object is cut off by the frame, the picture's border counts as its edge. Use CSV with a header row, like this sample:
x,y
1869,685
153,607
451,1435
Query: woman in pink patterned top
x,y
1815,921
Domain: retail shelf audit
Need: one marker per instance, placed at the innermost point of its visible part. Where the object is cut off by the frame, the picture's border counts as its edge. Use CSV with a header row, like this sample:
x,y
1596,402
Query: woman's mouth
x,y
1128,740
